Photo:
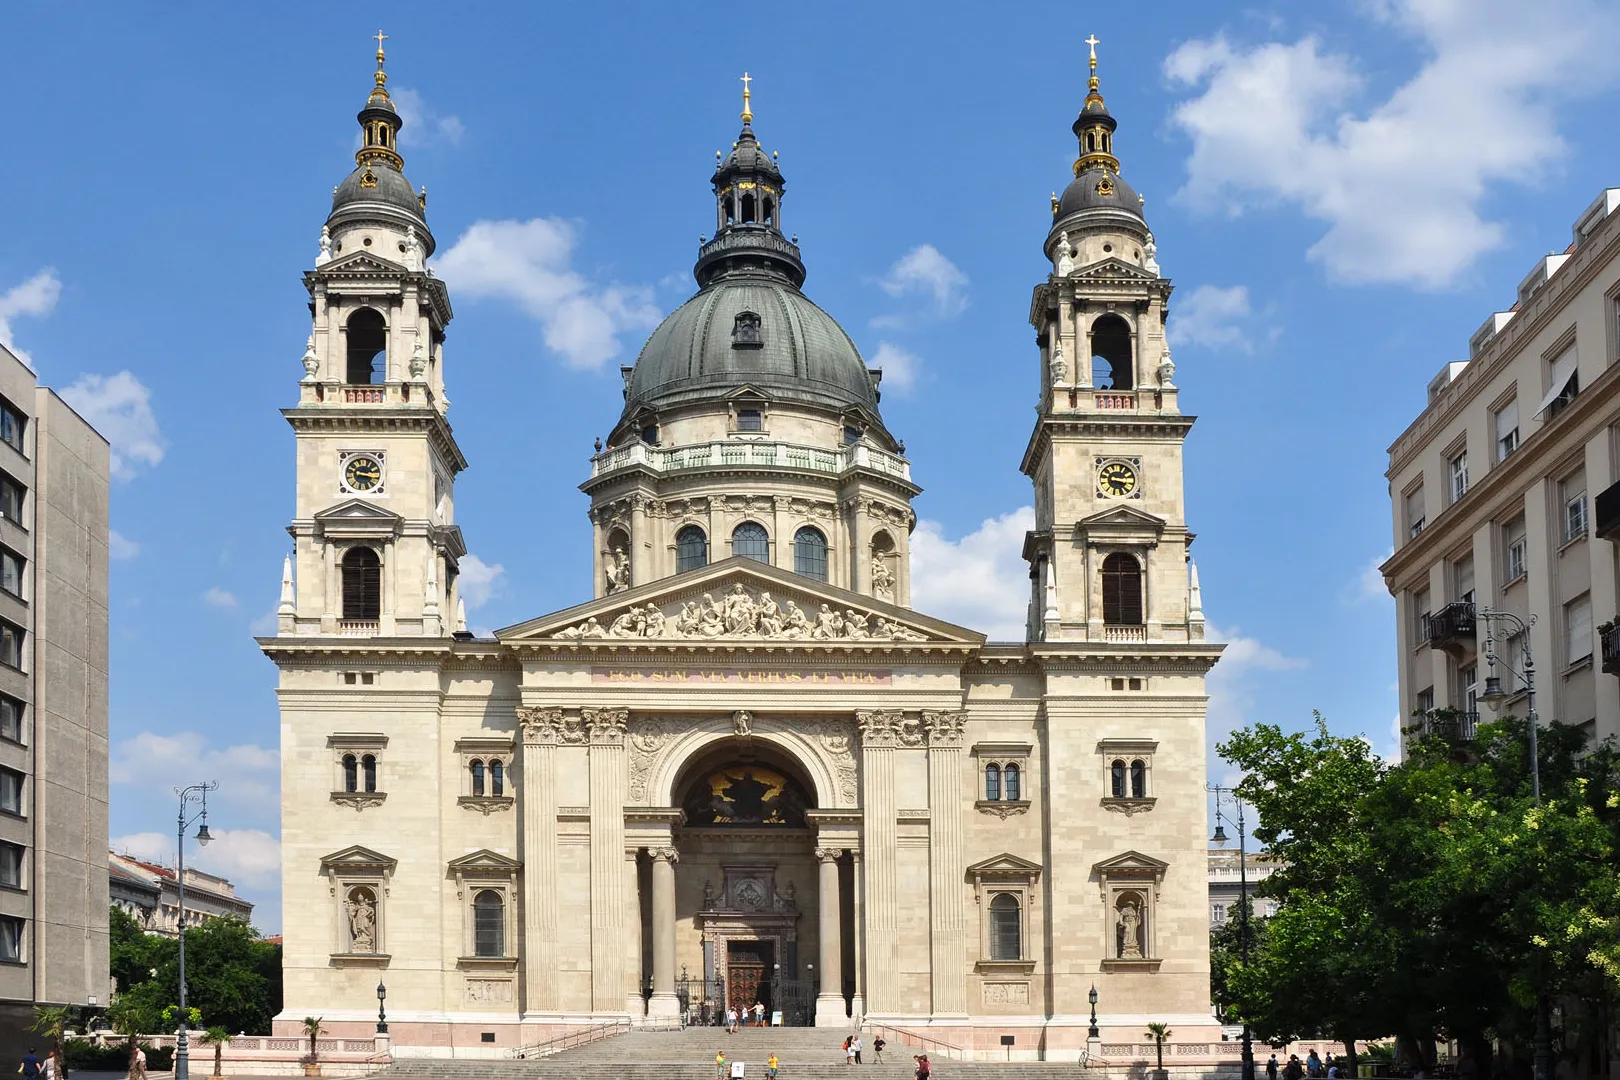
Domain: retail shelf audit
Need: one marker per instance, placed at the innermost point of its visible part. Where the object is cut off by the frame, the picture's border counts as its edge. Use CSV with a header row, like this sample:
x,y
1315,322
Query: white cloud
x,y
1368,585
1399,183
1231,684
35,297
979,581
218,597
250,857
248,775
1215,318
120,546
422,125
479,581
900,367
924,274
530,263
120,408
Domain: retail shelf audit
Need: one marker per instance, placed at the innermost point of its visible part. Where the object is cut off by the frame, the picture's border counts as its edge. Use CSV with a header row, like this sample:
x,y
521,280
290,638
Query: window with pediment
x,y
357,774
486,771
1004,778
1127,779
1004,889
486,886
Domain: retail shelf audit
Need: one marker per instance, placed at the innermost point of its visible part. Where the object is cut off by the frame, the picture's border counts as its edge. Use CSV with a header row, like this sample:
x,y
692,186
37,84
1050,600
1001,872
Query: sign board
x,y
1007,1040
739,1070
776,1018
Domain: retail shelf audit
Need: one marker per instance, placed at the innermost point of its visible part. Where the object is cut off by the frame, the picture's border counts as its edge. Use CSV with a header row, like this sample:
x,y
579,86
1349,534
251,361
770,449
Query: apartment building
x,y
150,892
1504,498
1226,885
53,705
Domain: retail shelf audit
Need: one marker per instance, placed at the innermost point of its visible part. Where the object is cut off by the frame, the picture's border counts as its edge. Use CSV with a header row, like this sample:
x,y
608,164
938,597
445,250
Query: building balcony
x,y
1606,513
1452,725
1452,628
1125,634
749,453
1609,635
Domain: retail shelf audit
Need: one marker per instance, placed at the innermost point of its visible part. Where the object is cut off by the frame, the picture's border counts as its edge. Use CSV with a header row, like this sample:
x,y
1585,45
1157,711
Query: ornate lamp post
x,y
198,792
382,1018
1243,902
1091,1032
1541,1042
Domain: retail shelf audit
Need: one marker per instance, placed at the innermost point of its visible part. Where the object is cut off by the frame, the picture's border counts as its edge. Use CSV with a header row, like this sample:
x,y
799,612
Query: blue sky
x,y
1341,191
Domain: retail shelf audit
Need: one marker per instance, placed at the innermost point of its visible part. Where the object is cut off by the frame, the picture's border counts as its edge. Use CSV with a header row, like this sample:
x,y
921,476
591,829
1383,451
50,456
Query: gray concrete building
x,y
53,705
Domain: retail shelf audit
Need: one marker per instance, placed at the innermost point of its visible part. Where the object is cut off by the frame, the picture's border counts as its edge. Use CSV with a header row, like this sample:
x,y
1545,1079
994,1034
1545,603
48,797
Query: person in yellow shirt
x,y
720,1065
770,1067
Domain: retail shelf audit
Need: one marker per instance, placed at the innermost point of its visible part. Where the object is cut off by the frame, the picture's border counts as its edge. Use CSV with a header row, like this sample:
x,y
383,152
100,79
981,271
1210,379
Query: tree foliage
x,y
233,976
1432,896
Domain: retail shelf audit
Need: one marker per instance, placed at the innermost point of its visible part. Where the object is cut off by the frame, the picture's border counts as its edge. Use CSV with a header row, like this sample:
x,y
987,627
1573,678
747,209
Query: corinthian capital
x,y
606,725
880,727
945,728
542,726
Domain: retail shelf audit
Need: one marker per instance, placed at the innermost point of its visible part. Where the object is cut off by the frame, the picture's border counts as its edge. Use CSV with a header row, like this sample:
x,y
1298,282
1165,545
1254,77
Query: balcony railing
x,y
1114,401
1126,634
1610,638
1453,725
1452,627
748,453
357,627
1606,511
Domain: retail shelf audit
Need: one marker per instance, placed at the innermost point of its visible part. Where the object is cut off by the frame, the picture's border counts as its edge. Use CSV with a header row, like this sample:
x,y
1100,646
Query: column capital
x,y
542,726
606,726
828,854
664,854
887,728
945,728
631,854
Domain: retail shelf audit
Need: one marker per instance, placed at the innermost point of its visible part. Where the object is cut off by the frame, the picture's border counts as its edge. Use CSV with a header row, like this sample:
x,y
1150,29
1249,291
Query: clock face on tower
x,y
362,474
1116,479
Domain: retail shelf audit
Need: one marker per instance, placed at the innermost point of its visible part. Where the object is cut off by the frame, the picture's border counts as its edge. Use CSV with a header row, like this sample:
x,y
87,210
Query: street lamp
x,y
1243,901
1541,1042
198,792
1091,1032
382,1019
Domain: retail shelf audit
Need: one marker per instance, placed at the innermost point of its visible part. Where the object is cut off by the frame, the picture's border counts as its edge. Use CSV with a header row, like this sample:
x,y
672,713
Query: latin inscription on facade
x,y
740,676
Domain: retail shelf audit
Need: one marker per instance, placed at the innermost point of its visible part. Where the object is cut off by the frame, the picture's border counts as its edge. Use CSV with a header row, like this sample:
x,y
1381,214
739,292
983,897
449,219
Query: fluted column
x,y
946,865
634,1003
609,780
857,1007
830,1010
542,729
879,735
640,549
663,1001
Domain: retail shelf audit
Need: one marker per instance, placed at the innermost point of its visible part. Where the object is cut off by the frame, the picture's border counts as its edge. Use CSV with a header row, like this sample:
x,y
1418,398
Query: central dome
x,y
755,331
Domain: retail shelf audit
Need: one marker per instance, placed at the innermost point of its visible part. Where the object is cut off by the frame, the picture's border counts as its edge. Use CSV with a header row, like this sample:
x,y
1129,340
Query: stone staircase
x,y
804,1054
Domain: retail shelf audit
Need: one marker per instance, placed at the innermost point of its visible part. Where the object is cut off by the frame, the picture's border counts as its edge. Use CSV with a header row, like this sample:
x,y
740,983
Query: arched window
x,y
1116,775
691,549
810,553
1006,933
1122,590
497,777
1011,778
489,924
362,585
1138,779
477,769
747,209
751,541
351,773
745,330
367,360
770,210
1111,353
992,783
368,771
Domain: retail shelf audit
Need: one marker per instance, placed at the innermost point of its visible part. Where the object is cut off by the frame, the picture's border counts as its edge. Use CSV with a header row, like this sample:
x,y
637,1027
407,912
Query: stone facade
x,y
53,705
745,768
151,895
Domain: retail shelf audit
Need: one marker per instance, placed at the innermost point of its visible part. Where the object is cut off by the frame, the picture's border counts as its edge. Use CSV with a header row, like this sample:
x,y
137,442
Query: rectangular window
x,y
11,426
1425,701
1574,510
1414,512
1506,423
1420,616
1462,579
11,572
1578,629
1459,476
11,644
1563,384
11,865
750,420
11,791
1468,687
11,718
11,939
1514,539
11,499
1218,913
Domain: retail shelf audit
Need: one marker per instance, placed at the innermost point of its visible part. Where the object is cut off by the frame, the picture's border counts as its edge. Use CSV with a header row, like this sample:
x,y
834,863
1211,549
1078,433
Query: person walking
x,y
849,1049
30,1065
877,1049
1271,1068
759,1013
139,1072
855,1045
720,1070
923,1071
1293,1070
1313,1064
770,1067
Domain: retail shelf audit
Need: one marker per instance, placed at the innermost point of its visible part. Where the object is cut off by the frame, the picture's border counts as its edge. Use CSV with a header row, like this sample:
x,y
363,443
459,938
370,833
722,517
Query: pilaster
x,y
946,865
879,734
608,790
542,730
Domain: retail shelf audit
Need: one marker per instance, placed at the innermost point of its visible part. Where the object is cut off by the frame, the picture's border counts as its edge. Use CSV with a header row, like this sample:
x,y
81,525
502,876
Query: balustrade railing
x,y
1125,633
750,453
363,395
1114,400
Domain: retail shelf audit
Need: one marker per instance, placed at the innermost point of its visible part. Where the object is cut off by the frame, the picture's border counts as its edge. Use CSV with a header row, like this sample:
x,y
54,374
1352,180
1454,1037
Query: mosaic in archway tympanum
x,y
750,796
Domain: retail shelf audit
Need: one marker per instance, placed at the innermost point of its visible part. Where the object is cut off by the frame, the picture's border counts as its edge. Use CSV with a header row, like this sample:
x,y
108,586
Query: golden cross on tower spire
x,y
748,112
1093,42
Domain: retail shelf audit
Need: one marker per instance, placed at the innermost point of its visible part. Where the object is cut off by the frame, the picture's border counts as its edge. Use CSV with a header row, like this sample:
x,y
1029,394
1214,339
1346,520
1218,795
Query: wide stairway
x,y
804,1054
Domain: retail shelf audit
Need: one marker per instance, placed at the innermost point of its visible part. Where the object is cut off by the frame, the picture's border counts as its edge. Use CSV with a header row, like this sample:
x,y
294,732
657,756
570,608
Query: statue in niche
x,y
1065,259
882,578
1167,370
1060,368
361,910
1130,932
742,724
418,362
618,570
708,895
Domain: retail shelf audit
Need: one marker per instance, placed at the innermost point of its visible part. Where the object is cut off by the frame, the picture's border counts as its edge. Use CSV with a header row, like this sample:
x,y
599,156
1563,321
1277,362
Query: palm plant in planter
x,y
216,1037
312,1028
1159,1031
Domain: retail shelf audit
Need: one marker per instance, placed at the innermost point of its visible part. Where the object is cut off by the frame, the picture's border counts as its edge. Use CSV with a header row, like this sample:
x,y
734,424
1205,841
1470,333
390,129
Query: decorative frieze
x,y
742,613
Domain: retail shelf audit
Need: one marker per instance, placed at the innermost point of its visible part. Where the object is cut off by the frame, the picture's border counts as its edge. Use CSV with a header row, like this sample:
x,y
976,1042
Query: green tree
x,y
232,974
51,1021
1159,1031
132,1015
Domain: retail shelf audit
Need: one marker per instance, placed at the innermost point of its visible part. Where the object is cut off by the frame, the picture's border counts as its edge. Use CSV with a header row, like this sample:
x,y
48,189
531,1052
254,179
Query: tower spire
x,y
379,121
748,111
1095,127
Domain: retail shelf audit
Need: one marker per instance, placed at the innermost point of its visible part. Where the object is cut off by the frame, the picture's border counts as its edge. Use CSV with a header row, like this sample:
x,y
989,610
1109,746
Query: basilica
x,y
744,769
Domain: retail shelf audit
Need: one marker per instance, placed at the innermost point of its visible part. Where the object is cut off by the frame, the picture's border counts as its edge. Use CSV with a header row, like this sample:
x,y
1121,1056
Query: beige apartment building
x,y
53,705
150,893
1504,497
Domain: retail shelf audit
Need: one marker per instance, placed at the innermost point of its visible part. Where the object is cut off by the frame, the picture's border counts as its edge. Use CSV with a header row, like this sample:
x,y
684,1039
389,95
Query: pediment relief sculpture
x,y
742,613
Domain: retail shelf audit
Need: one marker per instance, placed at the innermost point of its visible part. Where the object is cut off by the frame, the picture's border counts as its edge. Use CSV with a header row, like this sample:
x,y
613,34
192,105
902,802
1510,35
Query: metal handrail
x,y
570,1039
922,1042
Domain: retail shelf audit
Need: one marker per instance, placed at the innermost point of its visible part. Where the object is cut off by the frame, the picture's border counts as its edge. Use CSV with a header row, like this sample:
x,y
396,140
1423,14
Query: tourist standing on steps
x,y
855,1045
849,1049
877,1049
731,1020
759,1013
770,1067
720,1071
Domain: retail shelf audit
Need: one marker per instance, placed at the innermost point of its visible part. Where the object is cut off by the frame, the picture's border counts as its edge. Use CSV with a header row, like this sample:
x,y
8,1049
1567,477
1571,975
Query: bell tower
x,y
375,541
1109,556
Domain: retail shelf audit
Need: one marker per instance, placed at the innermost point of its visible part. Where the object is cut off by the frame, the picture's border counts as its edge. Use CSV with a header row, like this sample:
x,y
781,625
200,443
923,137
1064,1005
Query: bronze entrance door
x,y
748,976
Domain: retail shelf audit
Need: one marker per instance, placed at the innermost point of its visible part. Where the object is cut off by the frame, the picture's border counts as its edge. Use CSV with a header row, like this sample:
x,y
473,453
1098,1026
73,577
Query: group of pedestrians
x,y
736,1019
1313,1067
853,1047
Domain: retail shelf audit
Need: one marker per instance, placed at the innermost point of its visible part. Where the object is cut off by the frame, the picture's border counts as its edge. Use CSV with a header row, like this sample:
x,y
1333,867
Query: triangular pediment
x,y
357,518
484,861
1123,515
1130,863
356,857
1005,865
1113,268
362,262
748,391
734,600
356,510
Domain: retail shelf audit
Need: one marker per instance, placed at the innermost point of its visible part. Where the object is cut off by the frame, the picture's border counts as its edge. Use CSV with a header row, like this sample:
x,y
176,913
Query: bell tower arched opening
x,y
1111,367
367,359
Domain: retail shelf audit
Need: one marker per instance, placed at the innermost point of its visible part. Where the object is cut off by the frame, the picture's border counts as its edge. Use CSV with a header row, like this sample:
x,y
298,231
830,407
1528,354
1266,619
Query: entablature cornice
x,y
425,652
642,477
340,419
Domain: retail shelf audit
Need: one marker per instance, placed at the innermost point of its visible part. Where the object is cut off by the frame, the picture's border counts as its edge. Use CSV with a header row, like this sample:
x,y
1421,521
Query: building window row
x,y
750,540
11,791
12,495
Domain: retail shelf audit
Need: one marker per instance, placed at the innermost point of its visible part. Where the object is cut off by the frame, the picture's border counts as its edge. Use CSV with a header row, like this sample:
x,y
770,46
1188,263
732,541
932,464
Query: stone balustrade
x,y
749,453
